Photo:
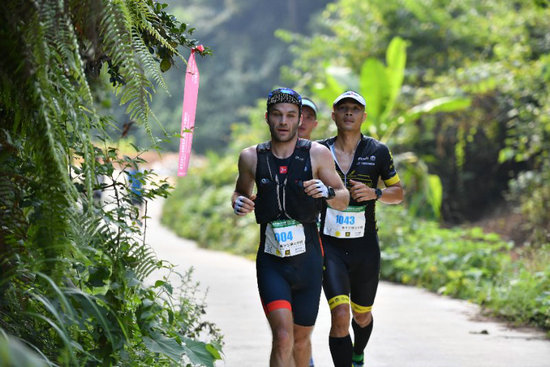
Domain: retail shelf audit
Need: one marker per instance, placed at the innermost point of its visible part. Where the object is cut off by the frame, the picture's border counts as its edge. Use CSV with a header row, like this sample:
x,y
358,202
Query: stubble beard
x,y
276,138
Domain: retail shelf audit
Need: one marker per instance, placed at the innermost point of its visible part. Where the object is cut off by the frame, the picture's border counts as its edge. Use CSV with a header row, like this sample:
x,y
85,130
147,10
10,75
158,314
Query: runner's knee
x,y
283,338
363,319
302,336
340,317
302,344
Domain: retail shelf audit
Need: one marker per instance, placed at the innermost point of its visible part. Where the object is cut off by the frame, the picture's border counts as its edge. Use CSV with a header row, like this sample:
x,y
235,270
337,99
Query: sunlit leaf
x,y
374,87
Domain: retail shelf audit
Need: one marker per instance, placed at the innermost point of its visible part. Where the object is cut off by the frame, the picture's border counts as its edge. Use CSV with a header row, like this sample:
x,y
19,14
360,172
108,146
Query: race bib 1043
x,y
285,238
349,223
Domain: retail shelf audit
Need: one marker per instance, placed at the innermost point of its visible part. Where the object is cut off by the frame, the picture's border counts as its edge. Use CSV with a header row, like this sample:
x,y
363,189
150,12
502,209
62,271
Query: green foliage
x,y
105,312
73,273
528,141
531,191
423,190
523,295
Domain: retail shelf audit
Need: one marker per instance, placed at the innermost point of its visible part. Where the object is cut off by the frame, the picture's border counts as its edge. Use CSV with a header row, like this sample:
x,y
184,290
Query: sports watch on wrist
x,y
378,193
331,193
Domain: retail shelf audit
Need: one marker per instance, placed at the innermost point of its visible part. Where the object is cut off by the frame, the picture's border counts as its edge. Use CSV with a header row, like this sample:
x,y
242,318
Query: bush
x,y
100,309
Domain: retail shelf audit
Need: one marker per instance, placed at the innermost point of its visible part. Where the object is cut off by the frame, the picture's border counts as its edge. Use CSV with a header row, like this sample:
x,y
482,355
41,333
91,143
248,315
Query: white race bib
x,y
349,223
285,238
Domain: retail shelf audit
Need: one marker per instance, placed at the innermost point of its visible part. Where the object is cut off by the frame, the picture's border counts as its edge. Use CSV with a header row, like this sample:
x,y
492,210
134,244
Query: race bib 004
x,y
349,223
285,238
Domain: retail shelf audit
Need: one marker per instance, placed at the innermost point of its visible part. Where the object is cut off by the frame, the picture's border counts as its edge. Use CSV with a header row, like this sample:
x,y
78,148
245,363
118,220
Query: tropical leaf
x,y
375,88
435,194
396,59
333,86
443,104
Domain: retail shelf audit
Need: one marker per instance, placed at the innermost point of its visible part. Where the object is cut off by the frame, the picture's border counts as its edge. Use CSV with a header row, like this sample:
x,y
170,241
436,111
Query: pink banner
x,y
190,95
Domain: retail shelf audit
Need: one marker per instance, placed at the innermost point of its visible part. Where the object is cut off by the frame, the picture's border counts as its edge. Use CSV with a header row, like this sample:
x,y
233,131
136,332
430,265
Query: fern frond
x,y
144,19
148,25
116,28
150,65
153,32
146,260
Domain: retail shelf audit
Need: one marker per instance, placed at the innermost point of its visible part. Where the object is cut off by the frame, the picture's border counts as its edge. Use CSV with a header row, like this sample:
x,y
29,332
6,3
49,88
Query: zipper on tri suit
x,y
338,164
336,161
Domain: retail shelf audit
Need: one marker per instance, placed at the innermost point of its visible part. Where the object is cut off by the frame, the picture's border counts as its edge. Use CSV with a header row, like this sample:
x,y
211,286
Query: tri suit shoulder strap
x,y
327,142
263,147
303,144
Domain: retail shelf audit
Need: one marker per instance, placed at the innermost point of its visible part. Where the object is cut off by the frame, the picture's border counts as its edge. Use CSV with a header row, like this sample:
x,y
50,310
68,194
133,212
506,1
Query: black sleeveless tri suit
x,y
292,282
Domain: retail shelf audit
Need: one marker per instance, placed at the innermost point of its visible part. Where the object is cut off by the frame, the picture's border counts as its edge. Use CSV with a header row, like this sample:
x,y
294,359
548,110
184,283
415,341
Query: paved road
x,y
413,328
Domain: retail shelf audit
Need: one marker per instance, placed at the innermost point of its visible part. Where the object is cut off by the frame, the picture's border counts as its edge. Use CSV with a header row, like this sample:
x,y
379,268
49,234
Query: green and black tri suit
x,y
352,265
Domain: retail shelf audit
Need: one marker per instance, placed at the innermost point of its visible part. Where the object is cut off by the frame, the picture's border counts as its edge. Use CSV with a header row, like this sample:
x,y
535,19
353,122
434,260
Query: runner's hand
x,y
243,205
361,192
316,188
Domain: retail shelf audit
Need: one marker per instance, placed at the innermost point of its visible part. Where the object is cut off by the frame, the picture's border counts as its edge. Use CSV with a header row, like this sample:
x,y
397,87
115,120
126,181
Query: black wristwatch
x,y
378,193
331,193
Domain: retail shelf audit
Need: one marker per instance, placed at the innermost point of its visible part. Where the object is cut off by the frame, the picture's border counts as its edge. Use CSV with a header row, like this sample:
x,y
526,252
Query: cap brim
x,y
307,103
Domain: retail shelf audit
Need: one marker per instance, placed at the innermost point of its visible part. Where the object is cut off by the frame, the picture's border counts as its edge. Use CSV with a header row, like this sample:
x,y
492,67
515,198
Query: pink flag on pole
x,y
190,95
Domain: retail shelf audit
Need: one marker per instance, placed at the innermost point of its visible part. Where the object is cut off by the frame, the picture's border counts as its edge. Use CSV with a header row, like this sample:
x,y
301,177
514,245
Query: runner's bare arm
x,y
324,169
241,198
393,194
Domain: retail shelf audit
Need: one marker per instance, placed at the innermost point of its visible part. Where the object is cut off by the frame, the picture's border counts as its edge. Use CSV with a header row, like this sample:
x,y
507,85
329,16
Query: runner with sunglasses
x,y
292,178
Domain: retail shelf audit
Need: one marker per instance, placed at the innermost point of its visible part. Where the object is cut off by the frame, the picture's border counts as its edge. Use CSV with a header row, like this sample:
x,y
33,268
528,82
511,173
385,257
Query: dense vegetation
x,y
469,128
74,271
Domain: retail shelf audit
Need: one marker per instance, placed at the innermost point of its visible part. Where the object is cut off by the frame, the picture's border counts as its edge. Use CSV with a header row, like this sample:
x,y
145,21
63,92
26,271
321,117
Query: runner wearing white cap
x,y
352,254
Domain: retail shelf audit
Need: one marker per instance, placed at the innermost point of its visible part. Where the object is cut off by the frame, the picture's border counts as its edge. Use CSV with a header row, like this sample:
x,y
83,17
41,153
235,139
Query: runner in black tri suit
x,y
293,178
352,254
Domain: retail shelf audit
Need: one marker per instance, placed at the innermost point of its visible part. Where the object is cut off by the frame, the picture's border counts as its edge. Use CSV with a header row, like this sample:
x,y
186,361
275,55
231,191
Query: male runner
x,y
352,254
309,118
292,178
